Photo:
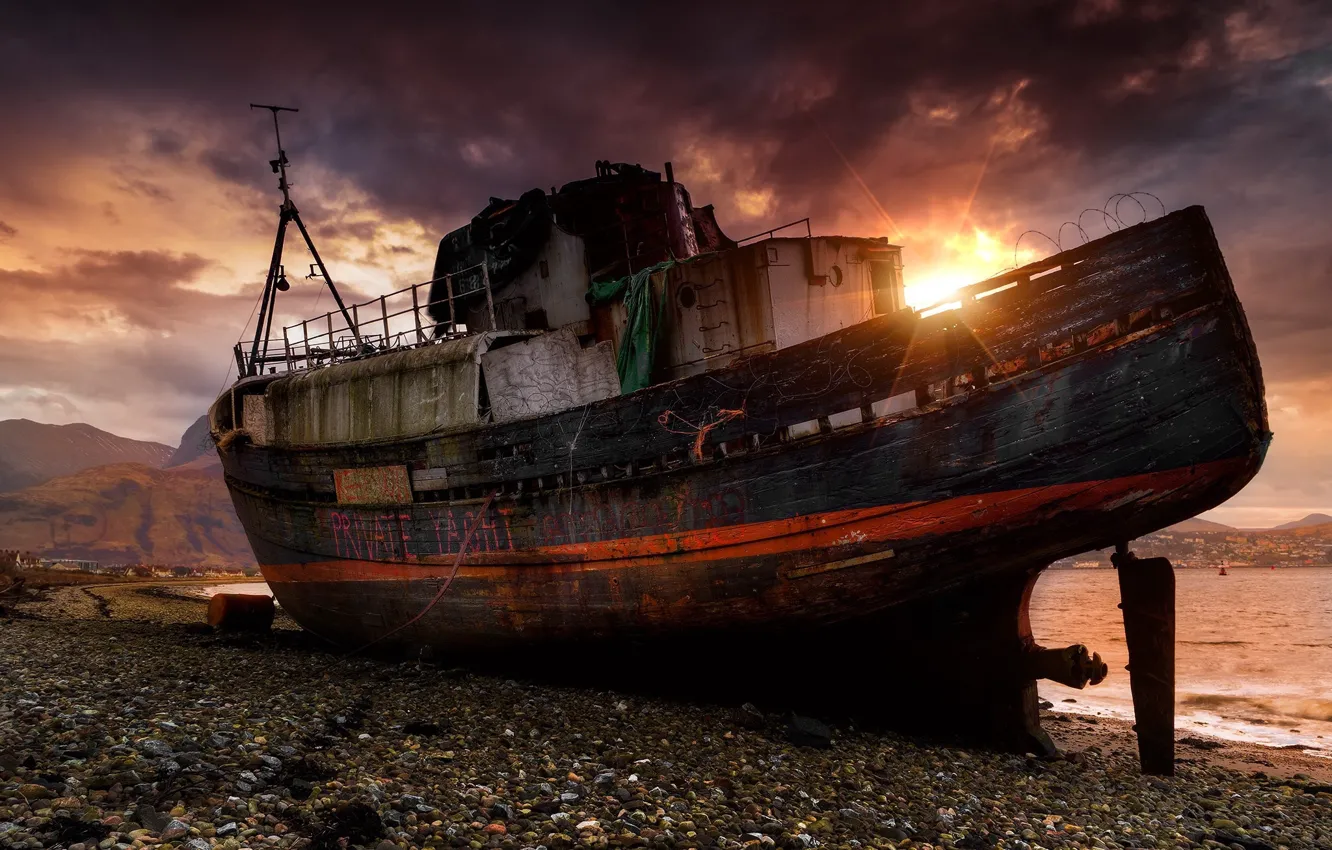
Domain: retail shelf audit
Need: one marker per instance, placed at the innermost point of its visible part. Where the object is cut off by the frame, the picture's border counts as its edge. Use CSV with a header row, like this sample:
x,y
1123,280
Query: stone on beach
x,y
265,736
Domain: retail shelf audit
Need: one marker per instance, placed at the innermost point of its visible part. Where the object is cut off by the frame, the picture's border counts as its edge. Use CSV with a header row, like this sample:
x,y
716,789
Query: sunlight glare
x,y
960,260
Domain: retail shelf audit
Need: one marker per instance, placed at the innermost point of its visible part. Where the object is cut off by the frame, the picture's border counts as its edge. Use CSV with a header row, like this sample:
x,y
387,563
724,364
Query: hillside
x,y
1197,524
128,513
1310,520
1321,531
33,452
194,443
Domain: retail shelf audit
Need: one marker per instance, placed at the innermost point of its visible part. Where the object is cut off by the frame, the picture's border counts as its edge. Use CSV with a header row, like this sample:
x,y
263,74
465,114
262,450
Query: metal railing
x,y
391,322
769,234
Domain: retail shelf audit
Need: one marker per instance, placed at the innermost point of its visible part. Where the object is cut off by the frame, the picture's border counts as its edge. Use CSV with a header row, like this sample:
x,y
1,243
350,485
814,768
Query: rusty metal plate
x,y
376,485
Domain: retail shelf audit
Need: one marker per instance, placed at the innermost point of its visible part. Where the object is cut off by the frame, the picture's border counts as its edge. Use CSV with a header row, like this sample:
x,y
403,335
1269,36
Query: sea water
x,y
1253,650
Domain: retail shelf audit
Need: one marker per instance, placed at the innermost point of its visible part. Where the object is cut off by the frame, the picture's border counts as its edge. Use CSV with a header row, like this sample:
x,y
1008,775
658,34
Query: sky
x,y
137,205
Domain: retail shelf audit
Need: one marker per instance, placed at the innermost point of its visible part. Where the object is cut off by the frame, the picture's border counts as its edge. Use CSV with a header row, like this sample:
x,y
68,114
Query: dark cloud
x,y
146,189
229,166
142,288
396,100
130,332
422,113
7,231
166,143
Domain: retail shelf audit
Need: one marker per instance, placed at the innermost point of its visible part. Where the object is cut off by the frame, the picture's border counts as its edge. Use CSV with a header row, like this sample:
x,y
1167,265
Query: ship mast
x,y
277,278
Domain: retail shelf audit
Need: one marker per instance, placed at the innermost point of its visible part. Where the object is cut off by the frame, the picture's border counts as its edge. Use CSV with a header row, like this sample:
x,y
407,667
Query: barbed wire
x,y
1112,217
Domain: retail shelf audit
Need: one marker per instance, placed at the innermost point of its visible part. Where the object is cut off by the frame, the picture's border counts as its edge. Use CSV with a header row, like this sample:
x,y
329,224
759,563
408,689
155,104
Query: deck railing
x,y
388,323
772,234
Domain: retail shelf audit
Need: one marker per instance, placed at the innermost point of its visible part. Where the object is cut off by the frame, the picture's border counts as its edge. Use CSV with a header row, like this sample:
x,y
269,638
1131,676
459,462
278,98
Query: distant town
x,y
1193,544
14,560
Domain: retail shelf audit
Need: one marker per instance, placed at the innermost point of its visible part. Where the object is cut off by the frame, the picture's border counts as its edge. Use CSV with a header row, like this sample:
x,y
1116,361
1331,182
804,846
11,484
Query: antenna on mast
x,y
280,164
277,276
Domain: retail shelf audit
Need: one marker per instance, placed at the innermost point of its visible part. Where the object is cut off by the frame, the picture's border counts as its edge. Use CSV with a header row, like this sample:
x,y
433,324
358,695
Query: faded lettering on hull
x,y
612,521
397,535
403,535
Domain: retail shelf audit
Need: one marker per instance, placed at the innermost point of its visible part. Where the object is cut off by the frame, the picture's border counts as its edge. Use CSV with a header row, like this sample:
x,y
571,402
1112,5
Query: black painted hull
x,y
844,533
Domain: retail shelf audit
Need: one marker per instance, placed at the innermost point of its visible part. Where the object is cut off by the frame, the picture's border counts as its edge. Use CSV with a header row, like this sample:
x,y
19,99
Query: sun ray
x,y
985,164
864,188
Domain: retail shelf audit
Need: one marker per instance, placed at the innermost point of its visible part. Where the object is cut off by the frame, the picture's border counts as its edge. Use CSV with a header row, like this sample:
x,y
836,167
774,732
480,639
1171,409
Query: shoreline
x,y
1185,566
135,716
161,602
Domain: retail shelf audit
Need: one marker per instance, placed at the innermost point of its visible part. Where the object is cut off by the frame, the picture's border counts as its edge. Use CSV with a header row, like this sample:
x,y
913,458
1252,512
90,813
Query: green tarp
x,y
638,346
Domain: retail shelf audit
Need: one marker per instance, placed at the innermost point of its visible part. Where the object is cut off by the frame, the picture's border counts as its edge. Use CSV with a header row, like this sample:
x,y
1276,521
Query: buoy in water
x,y
240,612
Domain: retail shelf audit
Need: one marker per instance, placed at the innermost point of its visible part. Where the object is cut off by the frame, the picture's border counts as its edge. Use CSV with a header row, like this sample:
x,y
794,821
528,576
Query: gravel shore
x,y
124,724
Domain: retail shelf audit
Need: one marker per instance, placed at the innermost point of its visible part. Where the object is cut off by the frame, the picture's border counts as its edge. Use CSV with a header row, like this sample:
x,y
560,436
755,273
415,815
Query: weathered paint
x,y
375,485
731,577
547,374
535,298
767,295
1110,397
398,395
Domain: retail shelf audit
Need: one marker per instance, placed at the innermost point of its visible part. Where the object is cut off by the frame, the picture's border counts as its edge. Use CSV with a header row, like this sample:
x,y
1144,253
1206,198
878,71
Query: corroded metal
x,y
1074,666
375,485
1147,588
783,508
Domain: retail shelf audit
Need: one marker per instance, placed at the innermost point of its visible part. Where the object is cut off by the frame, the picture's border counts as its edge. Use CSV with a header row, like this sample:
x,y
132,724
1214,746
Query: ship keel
x,y
971,653
973,659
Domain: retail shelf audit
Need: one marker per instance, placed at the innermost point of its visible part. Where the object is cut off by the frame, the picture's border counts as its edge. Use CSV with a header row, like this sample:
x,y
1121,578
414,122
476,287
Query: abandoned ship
x,y
604,421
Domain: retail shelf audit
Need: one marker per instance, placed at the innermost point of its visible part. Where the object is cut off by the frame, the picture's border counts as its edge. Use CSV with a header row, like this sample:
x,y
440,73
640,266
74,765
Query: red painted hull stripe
x,y
827,535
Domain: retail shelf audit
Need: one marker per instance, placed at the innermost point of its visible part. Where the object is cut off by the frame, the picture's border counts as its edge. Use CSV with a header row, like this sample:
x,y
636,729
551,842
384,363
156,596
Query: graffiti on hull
x,y
425,531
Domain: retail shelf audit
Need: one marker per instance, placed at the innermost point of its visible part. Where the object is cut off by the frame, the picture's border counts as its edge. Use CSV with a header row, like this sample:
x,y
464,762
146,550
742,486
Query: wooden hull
x,y
1100,402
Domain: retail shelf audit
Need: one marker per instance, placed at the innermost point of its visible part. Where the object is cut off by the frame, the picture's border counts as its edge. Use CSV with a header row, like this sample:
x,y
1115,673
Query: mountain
x,y
1197,524
1311,519
128,513
195,443
33,452
1322,531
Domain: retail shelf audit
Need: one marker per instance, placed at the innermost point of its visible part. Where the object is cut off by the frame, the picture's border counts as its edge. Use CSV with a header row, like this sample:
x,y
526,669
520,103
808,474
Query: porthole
x,y
835,275
686,297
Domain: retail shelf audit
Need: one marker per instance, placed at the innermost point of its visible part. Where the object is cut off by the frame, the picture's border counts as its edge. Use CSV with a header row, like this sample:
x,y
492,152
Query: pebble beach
x,y
125,723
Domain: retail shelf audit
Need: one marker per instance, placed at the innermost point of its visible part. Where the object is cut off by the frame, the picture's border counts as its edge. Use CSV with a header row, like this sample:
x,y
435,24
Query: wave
x,y
1307,708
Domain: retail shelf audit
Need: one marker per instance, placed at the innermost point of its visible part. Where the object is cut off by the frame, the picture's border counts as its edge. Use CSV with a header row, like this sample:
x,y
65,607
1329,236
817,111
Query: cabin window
x,y
687,297
885,281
